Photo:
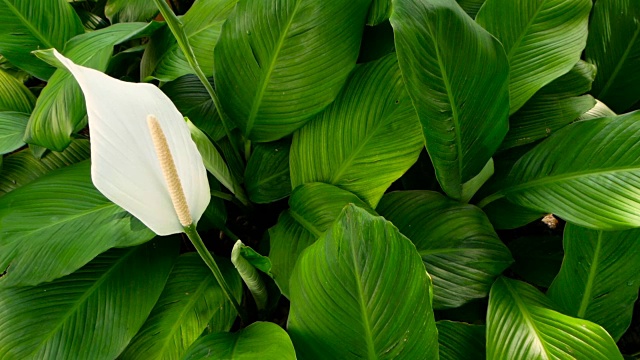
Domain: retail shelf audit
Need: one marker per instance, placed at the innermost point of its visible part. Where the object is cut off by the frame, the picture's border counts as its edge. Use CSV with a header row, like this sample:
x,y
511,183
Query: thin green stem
x,y
204,253
176,27
222,195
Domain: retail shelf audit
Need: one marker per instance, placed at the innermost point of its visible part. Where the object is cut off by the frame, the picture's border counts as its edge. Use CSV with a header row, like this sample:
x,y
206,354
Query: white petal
x,y
124,164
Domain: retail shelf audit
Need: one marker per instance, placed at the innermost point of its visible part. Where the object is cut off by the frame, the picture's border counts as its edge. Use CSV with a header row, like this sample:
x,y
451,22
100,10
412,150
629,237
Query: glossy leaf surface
x,y
457,76
374,130
521,324
49,221
460,341
614,47
267,176
27,25
163,59
90,314
600,276
456,242
543,40
346,304
191,300
587,173
313,208
260,340
277,63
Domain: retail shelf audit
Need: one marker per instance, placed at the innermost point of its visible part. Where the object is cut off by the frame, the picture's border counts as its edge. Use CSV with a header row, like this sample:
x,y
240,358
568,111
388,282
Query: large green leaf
x,y
60,222
614,47
27,25
460,341
587,173
313,208
12,126
552,107
456,242
600,277
129,10
190,301
599,110
373,130
279,62
22,167
543,40
522,325
457,76
163,59
267,174
14,96
60,110
260,340
361,292
90,314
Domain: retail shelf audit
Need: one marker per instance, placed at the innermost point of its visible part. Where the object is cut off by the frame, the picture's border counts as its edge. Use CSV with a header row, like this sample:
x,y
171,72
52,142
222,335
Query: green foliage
x,y
374,166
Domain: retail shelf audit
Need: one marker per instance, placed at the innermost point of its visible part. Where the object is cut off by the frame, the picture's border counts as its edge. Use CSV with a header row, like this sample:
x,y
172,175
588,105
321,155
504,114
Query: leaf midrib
x,y
307,225
371,350
525,30
527,317
63,320
551,179
35,32
586,296
186,309
455,117
262,87
623,59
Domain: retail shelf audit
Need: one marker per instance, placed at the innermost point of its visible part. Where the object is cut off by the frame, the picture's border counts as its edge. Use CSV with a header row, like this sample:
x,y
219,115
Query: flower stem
x,y
204,253
176,27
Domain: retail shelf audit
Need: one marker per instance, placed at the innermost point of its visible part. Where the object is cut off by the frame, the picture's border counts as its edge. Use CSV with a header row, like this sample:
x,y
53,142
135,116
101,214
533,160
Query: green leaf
x,y
190,301
379,12
27,25
129,10
361,292
50,221
537,258
260,340
552,107
278,63
599,110
614,47
600,277
212,159
522,325
471,7
60,110
586,173
543,40
505,215
23,167
250,276
456,242
457,76
12,126
90,314
14,96
163,60
192,99
267,176
460,341
374,132
313,208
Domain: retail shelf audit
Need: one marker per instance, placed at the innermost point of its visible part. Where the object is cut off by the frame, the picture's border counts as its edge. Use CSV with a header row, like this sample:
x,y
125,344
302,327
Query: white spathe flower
x,y
125,165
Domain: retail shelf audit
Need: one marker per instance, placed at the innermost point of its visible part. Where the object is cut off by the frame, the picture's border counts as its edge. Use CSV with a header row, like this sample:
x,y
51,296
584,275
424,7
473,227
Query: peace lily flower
x,y
142,155
143,158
